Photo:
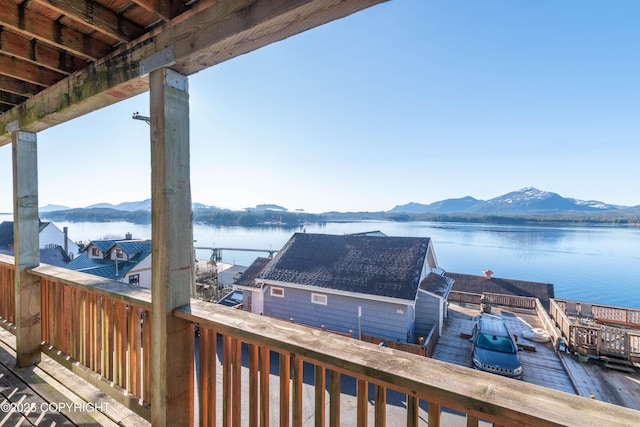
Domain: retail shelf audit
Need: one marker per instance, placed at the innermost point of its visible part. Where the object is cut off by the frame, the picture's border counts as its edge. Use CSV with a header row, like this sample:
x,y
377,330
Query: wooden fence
x,y
598,329
407,347
496,299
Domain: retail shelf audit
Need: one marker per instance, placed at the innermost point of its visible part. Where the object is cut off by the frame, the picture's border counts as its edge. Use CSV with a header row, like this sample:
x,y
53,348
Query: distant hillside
x,y
97,215
51,208
444,206
528,205
267,207
144,205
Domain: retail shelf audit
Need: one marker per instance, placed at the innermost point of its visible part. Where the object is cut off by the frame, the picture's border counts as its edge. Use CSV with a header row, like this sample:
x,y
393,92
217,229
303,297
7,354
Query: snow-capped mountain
x,y
526,200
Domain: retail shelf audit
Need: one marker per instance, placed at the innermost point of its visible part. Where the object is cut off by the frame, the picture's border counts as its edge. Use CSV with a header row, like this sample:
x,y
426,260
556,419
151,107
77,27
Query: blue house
x,y
369,284
127,260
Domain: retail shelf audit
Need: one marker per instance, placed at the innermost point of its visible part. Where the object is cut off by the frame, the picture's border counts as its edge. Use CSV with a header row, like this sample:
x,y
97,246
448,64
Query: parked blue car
x,y
494,348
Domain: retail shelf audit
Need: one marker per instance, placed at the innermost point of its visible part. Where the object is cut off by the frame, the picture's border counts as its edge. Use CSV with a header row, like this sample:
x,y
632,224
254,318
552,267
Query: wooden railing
x,y
248,397
492,298
7,305
597,329
97,326
99,329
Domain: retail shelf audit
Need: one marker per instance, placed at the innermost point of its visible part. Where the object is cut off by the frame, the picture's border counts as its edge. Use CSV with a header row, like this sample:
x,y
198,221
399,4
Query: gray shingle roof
x,y
249,275
375,265
436,284
479,284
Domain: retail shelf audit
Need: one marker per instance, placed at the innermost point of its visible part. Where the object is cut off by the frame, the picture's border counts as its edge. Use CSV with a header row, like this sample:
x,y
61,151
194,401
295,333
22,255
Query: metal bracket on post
x,y
177,81
13,126
162,58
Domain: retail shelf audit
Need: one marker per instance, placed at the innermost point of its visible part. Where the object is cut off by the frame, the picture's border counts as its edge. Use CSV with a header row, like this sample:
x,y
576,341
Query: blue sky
x,y
408,101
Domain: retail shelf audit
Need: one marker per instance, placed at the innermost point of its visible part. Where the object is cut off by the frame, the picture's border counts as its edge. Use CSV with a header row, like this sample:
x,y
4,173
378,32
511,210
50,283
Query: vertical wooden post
x,y
26,234
172,339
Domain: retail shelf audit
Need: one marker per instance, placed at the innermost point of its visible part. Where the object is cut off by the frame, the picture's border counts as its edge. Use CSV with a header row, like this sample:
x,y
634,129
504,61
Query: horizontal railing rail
x,y
514,301
230,336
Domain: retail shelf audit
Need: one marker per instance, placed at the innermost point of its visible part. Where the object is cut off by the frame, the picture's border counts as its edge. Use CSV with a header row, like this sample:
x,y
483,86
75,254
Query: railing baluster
x,y
362,403
380,406
99,342
237,382
253,384
226,381
334,399
265,366
134,350
108,326
146,352
297,392
285,375
205,375
433,415
320,385
412,411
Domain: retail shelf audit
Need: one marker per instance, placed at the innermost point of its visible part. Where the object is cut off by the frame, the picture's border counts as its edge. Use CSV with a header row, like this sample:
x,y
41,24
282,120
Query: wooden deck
x,y
50,395
542,366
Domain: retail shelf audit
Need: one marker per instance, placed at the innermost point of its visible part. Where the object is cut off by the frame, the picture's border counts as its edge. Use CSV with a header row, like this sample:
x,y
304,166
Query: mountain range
x,y
527,200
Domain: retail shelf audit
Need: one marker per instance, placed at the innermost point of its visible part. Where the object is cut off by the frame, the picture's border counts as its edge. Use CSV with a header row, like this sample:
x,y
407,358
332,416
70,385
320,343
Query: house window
x,y
277,292
134,279
118,253
319,299
95,252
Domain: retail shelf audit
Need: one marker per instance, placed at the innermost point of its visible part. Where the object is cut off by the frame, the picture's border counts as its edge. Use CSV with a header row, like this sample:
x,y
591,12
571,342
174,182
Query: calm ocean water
x,y
593,264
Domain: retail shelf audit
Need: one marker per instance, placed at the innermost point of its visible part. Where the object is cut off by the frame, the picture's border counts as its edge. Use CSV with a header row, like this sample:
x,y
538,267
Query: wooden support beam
x,y
34,74
21,19
97,17
202,38
163,8
18,87
172,338
26,233
17,46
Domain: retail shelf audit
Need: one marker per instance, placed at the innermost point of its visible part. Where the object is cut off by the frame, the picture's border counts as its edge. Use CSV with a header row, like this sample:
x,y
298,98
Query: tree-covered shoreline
x,y
269,218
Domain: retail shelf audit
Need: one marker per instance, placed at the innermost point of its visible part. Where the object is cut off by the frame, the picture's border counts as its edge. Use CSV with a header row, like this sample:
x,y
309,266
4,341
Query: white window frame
x,y
319,299
276,292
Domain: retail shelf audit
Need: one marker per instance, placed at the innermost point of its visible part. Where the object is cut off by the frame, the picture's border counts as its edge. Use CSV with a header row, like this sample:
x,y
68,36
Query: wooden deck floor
x,y
51,395
542,367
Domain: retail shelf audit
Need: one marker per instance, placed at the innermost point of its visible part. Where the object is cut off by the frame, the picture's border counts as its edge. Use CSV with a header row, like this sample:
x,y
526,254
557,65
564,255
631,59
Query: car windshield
x,y
495,343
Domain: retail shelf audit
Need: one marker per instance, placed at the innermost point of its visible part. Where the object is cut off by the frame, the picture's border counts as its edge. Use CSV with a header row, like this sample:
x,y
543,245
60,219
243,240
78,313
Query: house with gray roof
x,y
362,283
127,260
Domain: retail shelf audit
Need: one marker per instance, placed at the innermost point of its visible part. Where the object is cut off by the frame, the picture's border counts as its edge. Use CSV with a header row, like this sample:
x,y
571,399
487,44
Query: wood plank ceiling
x,y
60,59
43,42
